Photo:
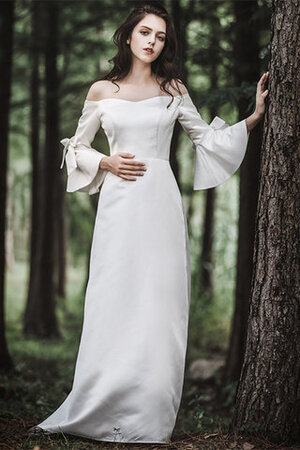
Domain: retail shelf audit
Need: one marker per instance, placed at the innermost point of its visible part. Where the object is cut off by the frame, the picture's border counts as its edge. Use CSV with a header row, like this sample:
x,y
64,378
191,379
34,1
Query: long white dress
x,y
129,371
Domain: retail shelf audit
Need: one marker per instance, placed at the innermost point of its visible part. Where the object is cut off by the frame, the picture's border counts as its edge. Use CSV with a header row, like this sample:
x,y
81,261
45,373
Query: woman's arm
x,y
219,148
83,162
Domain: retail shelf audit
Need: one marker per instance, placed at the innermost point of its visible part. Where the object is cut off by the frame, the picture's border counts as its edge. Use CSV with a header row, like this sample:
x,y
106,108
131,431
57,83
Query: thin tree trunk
x,y
267,399
181,18
61,239
9,232
206,257
41,319
6,48
180,26
36,183
246,50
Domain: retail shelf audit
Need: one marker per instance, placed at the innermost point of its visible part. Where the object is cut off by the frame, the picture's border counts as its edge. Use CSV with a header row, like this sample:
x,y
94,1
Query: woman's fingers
x,y
128,172
130,169
262,80
125,167
139,166
261,94
135,168
130,175
127,178
126,155
131,162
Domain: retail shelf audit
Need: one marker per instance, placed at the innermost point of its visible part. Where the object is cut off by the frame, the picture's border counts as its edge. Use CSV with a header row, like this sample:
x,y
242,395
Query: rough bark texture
x,y
268,393
6,47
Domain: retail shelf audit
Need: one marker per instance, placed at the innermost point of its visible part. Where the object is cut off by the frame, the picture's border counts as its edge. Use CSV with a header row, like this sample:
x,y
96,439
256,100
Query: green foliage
x,y
210,319
41,363
199,417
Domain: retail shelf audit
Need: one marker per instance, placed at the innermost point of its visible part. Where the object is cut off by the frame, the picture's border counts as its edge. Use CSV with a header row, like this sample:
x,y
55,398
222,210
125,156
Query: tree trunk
x,y
206,260
61,239
267,399
180,26
181,18
246,50
36,157
206,257
6,48
9,231
41,317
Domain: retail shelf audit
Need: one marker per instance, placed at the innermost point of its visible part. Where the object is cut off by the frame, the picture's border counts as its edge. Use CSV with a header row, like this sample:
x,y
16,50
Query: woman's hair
x,y
165,66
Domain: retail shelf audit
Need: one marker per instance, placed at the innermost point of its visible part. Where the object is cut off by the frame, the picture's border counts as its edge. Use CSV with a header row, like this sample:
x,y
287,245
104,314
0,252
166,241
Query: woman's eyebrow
x,y
151,29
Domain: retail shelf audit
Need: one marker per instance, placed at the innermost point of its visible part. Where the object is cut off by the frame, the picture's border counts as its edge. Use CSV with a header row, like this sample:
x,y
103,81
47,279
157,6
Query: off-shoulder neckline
x,y
133,101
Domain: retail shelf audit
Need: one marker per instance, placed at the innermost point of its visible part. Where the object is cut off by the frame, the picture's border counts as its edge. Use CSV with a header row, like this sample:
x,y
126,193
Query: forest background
x,y
54,50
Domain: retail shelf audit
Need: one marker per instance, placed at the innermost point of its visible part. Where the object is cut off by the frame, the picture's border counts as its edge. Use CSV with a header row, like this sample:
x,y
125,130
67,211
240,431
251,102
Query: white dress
x,y
129,371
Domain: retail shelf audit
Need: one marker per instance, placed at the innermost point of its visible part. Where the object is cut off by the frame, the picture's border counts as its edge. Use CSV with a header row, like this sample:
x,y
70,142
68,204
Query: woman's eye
x,y
159,37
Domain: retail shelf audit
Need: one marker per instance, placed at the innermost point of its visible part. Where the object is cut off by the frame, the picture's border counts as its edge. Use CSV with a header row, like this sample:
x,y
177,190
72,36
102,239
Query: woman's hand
x,y
261,95
122,165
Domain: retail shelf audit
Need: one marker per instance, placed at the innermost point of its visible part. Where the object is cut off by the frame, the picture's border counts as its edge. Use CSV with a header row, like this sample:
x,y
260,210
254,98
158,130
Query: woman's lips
x,y
148,52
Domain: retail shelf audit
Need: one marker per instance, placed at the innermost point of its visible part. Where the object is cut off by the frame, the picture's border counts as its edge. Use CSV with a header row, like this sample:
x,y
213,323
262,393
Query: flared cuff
x,y
82,162
220,153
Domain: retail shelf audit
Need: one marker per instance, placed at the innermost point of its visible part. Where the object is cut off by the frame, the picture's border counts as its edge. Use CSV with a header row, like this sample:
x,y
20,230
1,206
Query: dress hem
x,y
40,430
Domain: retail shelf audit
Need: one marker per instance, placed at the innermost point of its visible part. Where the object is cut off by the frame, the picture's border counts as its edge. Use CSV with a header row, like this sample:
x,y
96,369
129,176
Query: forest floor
x,y
43,376
202,421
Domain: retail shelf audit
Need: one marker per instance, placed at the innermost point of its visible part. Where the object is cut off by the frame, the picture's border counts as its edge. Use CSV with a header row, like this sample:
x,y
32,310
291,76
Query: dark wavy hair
x,y
165,66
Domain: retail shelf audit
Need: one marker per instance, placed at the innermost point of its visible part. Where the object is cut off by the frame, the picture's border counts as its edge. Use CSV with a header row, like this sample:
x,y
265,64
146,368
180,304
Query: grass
x,y
44,372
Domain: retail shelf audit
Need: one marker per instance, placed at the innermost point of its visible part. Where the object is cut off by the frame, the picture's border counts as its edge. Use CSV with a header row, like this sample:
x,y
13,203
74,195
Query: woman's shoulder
x,y
98,90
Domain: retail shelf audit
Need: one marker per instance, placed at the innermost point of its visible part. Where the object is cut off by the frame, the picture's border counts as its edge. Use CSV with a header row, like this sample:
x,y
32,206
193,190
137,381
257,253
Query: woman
x,y
130,366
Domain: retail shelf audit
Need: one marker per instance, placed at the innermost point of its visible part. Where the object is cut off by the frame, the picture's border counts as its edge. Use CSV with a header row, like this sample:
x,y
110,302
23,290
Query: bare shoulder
x,y
98,90
175,85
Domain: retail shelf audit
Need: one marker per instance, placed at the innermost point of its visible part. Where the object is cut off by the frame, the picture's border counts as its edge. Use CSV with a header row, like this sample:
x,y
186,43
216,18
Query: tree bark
x,y
6,48
267,400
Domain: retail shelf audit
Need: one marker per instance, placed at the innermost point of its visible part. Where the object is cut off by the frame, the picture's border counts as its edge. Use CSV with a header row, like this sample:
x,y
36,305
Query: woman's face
x,y
150,32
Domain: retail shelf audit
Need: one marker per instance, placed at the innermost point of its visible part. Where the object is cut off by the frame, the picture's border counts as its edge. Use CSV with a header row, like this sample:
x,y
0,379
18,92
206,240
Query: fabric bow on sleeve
x,y
69,153
217,124
82,160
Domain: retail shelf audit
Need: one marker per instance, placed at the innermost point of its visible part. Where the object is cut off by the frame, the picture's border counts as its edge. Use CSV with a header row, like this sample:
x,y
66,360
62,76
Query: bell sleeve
x,y
219,148
82,161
